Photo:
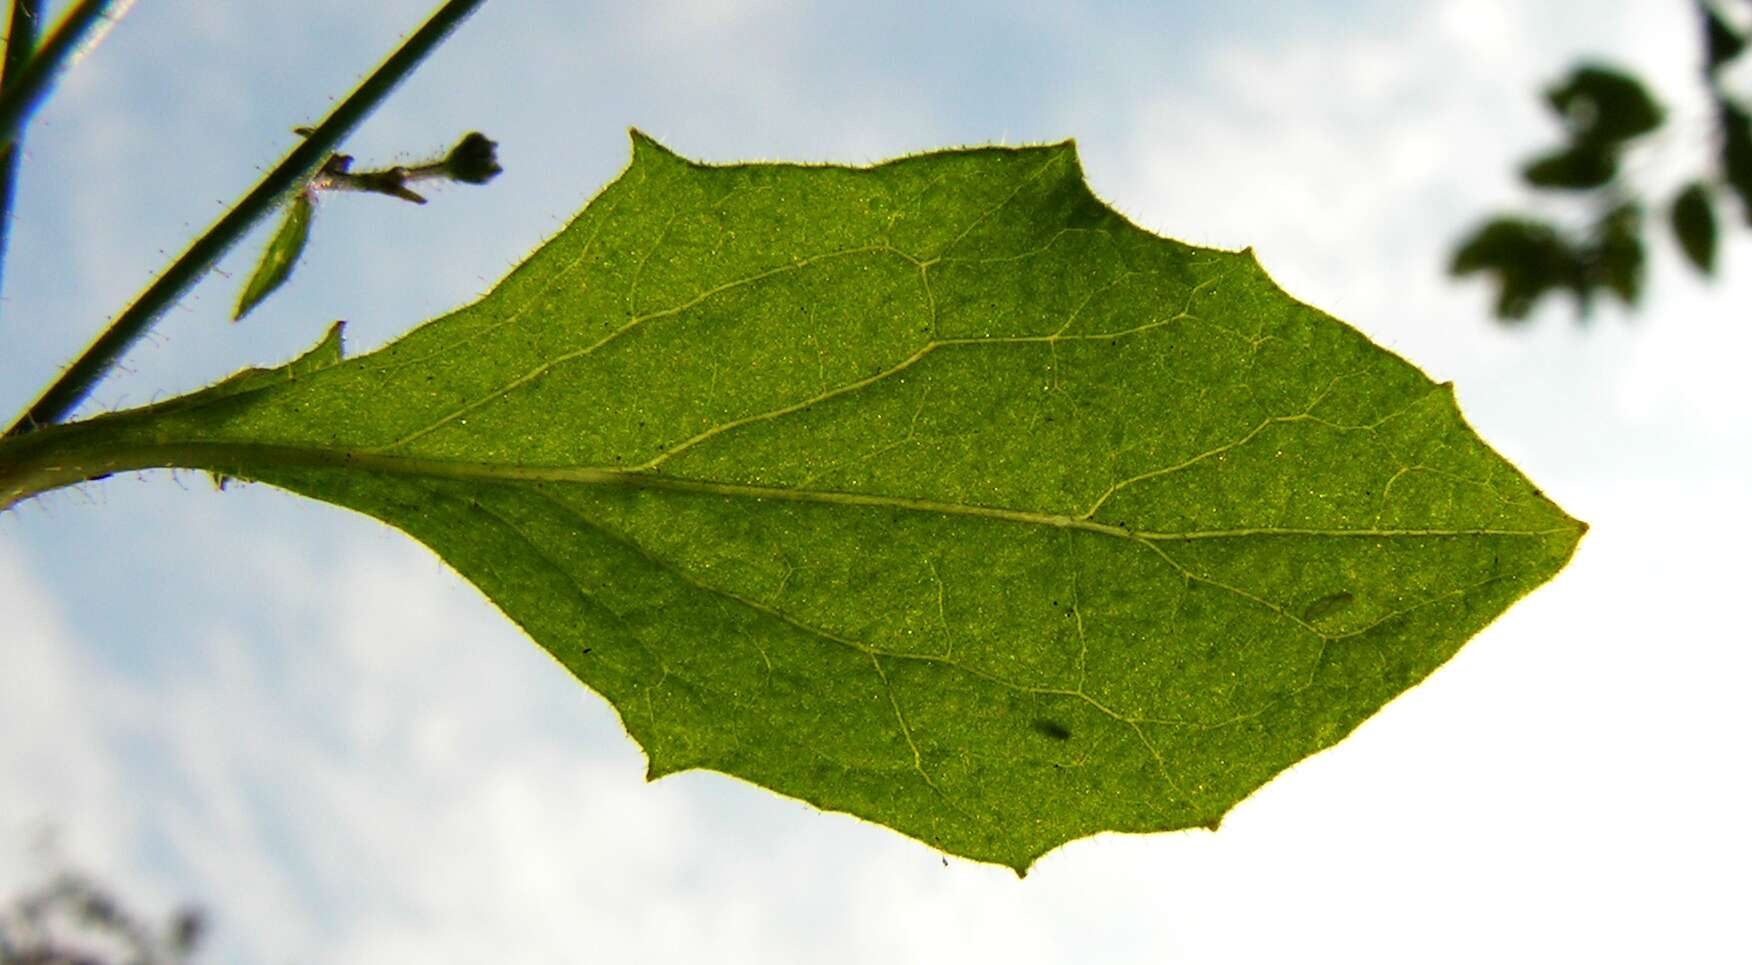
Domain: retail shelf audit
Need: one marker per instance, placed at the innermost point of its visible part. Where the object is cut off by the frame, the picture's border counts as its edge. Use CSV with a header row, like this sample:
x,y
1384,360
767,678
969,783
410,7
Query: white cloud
x,y
1487,32
61,780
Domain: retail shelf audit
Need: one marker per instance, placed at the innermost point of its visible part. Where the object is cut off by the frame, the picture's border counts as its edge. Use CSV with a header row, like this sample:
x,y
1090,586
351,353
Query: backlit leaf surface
x,y
933,492
280,255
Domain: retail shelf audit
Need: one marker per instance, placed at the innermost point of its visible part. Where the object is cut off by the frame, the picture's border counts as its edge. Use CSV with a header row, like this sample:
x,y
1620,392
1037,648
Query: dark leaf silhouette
x,y
1694,225
73,920
1737,151
1529,259
1603,107
1618,259
1604,111
1721,42
1577,168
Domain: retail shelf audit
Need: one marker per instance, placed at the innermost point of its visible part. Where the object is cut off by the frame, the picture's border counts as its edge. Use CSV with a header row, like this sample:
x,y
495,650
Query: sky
x,y
302,721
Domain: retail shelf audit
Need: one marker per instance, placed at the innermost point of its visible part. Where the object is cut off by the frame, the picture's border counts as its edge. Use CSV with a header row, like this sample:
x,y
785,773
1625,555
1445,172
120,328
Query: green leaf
x,y
1694,224
324,354
1603,107
1722,43
1618,260
1530,259
934,492
1572,168
1736,151
280,255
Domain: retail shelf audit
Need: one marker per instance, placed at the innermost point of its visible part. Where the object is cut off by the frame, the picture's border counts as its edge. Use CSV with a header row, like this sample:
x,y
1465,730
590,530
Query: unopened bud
x,y
472,159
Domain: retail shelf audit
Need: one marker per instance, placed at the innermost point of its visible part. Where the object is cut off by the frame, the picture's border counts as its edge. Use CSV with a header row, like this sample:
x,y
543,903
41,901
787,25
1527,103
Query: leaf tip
x,y
333,346
647,147
279,257
246,304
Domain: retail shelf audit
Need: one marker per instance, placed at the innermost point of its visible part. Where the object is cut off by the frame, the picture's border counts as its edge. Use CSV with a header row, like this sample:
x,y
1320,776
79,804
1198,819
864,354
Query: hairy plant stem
x,y
24,93
77,381
21,37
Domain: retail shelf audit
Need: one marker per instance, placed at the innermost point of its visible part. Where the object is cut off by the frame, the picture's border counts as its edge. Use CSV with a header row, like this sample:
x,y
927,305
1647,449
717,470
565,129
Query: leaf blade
x,y
933,492
1692,218
279,256
1722,43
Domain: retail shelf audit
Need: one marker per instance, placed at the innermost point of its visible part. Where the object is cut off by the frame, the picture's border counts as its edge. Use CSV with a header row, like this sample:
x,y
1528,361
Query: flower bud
x,y
472,160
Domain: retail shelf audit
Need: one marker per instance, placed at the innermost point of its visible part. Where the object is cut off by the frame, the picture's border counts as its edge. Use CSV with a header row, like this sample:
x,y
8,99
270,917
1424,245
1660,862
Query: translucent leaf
x,y
280,255
934,492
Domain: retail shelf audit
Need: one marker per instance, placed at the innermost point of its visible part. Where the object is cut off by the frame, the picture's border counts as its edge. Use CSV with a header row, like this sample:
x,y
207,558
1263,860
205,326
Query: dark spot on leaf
x,y
1051,728
1327,605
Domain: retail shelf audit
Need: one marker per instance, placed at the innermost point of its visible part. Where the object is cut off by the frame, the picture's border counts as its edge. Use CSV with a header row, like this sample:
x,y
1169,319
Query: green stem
x,y
21,37
22,94
79,378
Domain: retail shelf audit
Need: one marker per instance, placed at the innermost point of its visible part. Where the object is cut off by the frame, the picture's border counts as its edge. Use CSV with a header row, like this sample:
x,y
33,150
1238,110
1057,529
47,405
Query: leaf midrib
x,y
239,458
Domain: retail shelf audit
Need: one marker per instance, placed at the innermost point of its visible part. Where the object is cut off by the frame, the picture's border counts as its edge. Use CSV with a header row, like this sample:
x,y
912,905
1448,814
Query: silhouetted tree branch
x,y
74,921
1606,113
